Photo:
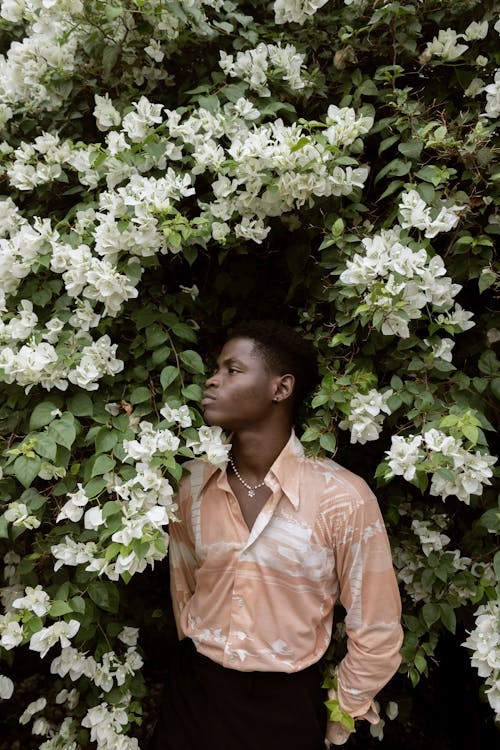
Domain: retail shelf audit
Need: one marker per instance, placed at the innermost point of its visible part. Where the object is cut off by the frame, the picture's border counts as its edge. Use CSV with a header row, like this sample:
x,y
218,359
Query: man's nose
x,y
213,380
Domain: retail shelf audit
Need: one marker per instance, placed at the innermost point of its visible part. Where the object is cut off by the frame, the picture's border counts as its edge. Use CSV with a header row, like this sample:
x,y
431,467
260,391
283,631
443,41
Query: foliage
x,y
171,167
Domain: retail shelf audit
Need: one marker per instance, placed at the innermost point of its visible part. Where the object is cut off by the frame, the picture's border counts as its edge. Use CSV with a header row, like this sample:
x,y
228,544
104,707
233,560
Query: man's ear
x,y
284,387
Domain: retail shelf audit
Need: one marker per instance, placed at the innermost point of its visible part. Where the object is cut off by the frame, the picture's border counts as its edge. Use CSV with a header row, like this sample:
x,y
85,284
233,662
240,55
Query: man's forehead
x,y
242,349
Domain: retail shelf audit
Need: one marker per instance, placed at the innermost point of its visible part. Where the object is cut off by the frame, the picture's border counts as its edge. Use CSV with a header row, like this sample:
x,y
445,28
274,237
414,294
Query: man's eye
x,y
232,370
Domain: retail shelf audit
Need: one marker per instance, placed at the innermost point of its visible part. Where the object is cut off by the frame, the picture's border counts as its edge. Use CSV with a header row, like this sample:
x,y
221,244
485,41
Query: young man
x,y
264,548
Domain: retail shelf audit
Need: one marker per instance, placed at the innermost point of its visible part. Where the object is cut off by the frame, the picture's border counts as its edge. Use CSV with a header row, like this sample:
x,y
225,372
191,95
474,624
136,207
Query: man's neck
x,y
254,452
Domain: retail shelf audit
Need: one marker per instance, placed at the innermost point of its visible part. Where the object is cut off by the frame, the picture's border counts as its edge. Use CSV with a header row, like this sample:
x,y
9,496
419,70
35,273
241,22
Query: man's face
x,y
239,395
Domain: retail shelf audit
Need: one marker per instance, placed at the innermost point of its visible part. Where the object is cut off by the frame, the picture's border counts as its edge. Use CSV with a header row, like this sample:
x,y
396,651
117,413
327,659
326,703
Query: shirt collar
x,y
284,470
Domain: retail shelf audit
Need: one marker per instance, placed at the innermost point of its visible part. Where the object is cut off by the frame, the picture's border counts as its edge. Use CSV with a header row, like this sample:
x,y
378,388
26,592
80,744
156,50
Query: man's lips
x,y
207,398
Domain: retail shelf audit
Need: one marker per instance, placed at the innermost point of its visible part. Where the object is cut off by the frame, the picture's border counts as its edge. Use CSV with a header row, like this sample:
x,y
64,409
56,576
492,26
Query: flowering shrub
x,y
168,168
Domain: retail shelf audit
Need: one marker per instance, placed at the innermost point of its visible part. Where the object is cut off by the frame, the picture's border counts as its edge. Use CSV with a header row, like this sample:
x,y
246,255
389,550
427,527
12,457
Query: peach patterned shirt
x,y
263,599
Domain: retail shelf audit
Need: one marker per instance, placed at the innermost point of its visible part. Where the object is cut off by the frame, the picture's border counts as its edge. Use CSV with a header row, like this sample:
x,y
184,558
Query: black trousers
x,y
208,707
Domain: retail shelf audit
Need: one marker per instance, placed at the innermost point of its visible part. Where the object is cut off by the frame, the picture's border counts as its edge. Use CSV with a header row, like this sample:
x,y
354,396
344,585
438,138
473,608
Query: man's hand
x,y
337,733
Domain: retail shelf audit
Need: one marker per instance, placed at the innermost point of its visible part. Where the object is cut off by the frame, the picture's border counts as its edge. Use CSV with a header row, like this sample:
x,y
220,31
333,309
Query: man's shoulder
x,y
196,473
334,481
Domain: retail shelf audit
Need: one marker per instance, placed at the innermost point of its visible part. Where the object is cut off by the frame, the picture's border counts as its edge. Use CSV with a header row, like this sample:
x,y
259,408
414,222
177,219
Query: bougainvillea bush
x,y
169,168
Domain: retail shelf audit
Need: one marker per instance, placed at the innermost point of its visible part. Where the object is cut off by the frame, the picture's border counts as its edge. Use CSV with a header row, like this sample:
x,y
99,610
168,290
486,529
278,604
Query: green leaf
x,y
411,149
496,564
110,508
42,414
155,336
45,446
335,713
109,57
95,487
192,392
183,331
396,167
495,387
26,469
431,613
491,520
4,528
105,440
192,361
471,433
60,608
420,663
102,465
63,431
488,363
448,617
486,280
81,405
139,395
328,442
104,595
78,604
300,144
168,375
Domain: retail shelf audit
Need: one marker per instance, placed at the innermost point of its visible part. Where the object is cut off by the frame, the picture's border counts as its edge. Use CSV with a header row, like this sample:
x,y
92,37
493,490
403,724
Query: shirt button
x,y
241,602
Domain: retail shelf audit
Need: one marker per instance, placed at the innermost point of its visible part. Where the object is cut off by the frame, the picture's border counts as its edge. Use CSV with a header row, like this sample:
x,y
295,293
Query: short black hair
x,y
285,351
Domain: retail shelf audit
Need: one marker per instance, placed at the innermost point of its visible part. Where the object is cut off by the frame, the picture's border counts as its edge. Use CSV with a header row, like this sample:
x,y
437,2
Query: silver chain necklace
x,y
251,489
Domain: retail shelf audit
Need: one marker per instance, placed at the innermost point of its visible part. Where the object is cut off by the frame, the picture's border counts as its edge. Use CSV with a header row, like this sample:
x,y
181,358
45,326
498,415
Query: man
x,y
264,547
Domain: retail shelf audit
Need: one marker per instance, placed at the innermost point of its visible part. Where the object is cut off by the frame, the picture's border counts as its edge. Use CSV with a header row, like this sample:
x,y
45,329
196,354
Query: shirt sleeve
x,y
369,593
182,555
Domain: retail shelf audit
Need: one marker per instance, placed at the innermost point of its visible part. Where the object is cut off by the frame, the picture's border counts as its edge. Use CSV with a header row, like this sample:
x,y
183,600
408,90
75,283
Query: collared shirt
x,y
263,599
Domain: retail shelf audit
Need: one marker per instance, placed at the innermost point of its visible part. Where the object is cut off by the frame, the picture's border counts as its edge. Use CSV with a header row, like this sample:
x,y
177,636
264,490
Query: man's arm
x,y
369,593
182,557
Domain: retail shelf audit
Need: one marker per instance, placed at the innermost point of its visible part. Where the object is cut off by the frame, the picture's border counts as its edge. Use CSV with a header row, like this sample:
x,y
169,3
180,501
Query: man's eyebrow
x,y
231,361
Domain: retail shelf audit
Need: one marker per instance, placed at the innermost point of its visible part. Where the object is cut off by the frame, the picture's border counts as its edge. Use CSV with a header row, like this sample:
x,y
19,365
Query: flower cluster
x,y
259,171
455,470
296,11
365,416
431,539
56,44
143,504
265,61
414,212
484,642
399,282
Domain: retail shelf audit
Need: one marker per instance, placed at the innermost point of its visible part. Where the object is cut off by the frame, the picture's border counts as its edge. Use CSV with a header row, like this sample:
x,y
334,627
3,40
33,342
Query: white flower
x,y
430,539
137,125
93,518
493,97
32,709
211,443
73,663
18,515
441,349
296,11
106,115
476,30
61,631
445,45
129,635
11,634
403,456
154,50
69,697
35,600
475,87
6,687
364,419
181,415
73,509
392,710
